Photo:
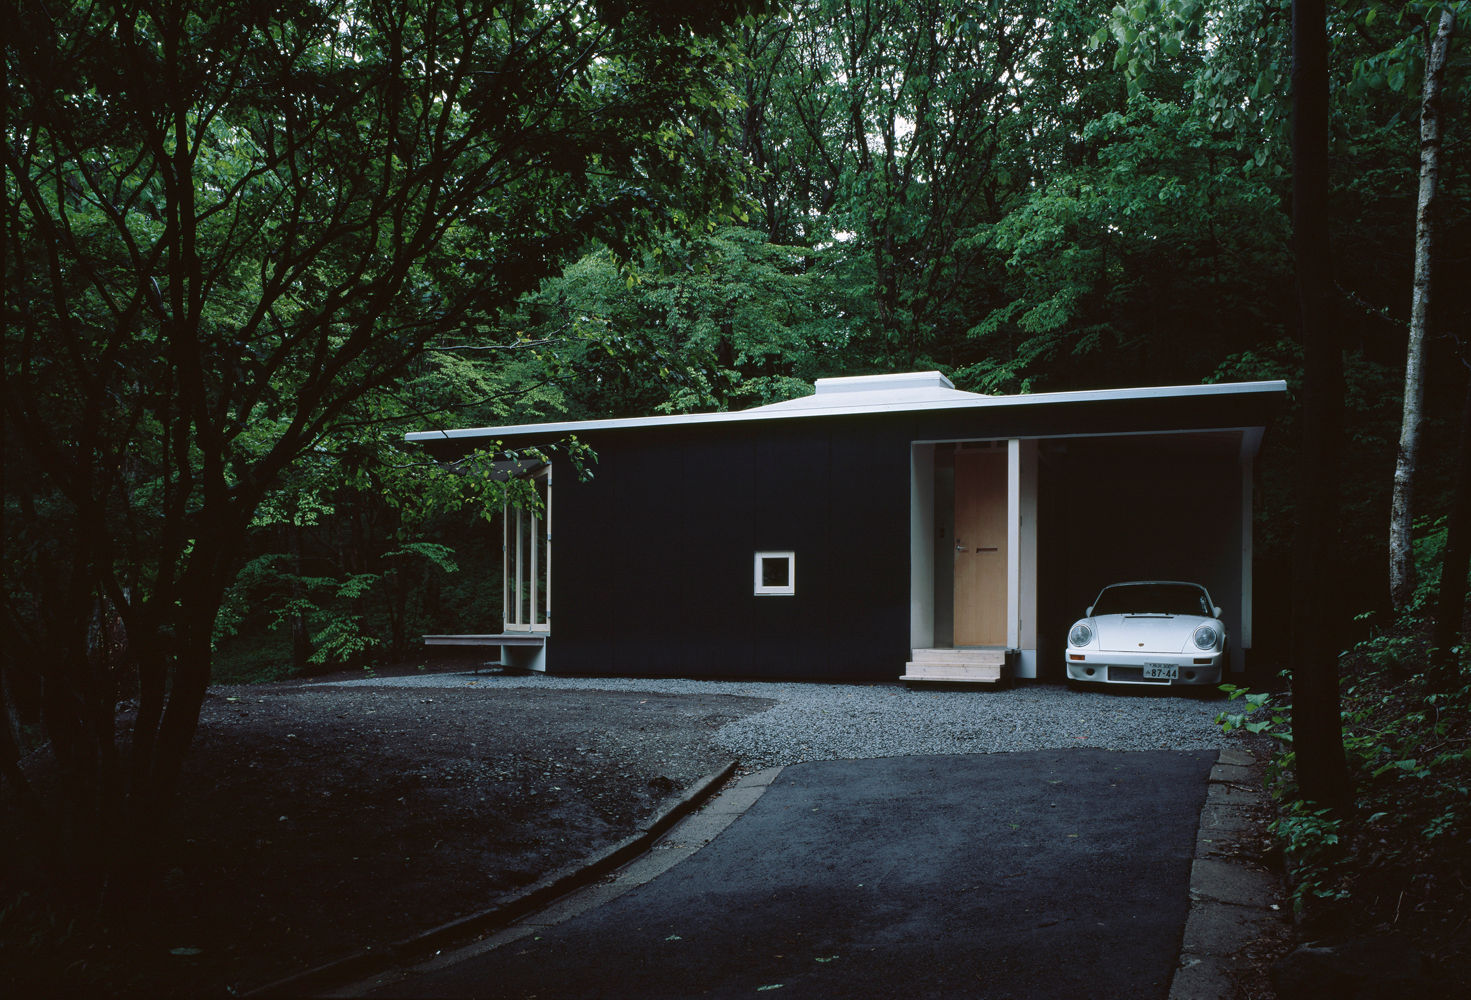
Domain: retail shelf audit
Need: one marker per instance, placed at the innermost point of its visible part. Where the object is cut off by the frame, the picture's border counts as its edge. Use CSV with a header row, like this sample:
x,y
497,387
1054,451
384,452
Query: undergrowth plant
x,y
1408,748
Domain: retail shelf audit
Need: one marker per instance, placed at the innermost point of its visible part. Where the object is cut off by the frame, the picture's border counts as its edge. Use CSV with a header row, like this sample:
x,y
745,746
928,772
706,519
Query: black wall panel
x,y
789,632
654,558
584,560
648,590
712,625
869,511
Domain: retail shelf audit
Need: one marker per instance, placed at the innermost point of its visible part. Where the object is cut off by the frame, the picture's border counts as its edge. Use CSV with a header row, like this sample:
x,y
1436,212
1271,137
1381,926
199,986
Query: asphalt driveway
x,y
1027,875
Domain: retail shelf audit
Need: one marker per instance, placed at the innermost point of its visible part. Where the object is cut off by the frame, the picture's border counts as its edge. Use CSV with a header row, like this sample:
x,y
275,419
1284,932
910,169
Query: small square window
x,y
776,573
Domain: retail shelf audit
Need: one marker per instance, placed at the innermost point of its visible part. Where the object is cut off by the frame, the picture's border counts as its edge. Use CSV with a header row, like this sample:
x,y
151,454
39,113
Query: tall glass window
x,y
528,560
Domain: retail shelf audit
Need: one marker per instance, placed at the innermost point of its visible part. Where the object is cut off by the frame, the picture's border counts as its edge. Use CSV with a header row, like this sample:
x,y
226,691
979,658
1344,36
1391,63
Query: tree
x,y
1318,616
720,320
1107,264
225,224
364,544
1317,613
1450,613
1402,507
884,133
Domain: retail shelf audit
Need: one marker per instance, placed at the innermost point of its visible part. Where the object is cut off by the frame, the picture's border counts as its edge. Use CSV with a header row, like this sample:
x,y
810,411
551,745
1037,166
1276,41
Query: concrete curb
x,y
1232,904
509,909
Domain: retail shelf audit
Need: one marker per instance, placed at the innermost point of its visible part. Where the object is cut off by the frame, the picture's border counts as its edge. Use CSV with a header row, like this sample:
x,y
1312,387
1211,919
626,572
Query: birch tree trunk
x,y
1402,507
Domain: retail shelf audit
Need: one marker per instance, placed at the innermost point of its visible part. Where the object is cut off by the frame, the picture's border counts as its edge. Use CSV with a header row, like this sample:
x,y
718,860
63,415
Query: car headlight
x,y
1080,635
1206,637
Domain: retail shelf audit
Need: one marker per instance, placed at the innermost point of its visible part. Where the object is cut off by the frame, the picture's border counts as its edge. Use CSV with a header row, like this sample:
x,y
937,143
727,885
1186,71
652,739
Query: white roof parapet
x,y
913,391
895,380
903,390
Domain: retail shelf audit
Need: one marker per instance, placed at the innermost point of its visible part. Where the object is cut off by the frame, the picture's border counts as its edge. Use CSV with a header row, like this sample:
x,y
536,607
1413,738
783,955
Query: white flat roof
x,y
909,391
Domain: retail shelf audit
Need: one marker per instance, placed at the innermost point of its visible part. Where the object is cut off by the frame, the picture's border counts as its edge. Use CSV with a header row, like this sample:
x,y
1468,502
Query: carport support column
x,y
1021,554
1251,440
1013,543
921,546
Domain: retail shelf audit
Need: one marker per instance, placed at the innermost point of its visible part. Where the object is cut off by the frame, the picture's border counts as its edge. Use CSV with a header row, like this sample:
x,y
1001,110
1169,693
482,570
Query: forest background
x,y
248,246
991,190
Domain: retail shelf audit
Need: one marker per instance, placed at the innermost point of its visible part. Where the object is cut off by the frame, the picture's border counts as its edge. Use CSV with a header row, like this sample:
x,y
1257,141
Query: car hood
x,y
1161,633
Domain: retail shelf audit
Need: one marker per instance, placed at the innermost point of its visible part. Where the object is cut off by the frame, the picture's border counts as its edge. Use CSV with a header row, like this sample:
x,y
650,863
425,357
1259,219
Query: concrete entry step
x,y
968,655
956,666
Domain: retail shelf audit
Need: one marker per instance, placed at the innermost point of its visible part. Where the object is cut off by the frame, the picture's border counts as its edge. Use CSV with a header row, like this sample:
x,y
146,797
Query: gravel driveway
x,y
814,721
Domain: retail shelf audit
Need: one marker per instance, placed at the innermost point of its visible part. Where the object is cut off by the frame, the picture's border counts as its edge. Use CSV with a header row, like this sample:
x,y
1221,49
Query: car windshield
x,y
1153,598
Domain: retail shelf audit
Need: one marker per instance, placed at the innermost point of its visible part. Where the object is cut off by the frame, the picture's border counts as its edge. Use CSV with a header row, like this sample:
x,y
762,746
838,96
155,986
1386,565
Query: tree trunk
x,y
396,599
1317,611
1451,612
1402,506
10,744
301,638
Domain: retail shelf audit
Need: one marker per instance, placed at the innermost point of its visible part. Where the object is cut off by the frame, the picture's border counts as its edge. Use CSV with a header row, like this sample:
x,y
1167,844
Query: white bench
x,y
517,650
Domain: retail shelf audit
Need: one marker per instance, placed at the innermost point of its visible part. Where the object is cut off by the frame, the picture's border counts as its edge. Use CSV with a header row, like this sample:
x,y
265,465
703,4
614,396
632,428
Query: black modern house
x,y
886,526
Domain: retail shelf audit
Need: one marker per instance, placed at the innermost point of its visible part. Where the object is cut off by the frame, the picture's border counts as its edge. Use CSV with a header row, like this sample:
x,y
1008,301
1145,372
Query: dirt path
x,y
320,821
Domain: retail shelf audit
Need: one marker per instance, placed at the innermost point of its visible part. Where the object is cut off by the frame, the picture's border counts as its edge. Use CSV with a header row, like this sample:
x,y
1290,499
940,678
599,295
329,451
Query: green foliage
x,y
252,654
1107,263
440,556
711,321
1391,42
1251,718
1428,551
1151,33
247,247
987,202
1312,840
214,272
1410,763
879,141
301,605
1235,56
246,244
341,639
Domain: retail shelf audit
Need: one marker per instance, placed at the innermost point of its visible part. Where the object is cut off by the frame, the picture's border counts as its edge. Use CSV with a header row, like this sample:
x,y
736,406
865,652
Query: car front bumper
x,y
1128,668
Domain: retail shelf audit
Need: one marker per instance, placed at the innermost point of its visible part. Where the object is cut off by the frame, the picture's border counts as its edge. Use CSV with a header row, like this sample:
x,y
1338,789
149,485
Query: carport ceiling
x,y
1196,444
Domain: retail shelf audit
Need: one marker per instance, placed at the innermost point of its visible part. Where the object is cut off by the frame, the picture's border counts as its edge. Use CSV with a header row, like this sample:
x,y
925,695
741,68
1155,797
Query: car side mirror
x,y
1089,612
1215,612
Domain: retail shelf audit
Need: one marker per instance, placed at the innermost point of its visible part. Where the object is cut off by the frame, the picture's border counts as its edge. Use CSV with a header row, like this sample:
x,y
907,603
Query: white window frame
x,y
785,590
520,568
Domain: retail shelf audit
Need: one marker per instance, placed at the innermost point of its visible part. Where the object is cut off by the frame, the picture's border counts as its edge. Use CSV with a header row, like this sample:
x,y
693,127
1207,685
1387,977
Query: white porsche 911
x,y
1148,632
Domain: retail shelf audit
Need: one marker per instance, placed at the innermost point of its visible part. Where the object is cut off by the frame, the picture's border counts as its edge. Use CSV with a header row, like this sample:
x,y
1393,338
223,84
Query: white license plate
x,y
1161,672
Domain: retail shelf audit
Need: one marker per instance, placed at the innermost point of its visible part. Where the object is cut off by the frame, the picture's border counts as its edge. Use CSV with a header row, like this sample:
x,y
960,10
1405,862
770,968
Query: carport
x,y
1089,510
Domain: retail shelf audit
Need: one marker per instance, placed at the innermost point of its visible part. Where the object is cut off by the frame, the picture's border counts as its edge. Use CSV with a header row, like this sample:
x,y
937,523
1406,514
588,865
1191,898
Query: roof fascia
x,y
1275,388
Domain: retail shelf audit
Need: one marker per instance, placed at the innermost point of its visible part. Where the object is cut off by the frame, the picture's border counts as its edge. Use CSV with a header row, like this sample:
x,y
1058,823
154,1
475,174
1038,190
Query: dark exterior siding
x,y
653,558
788,632
610,538
869,516
714,576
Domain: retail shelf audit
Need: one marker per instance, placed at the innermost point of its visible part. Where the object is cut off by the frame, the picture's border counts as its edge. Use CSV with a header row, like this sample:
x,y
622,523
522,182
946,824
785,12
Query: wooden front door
x,y
980,547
